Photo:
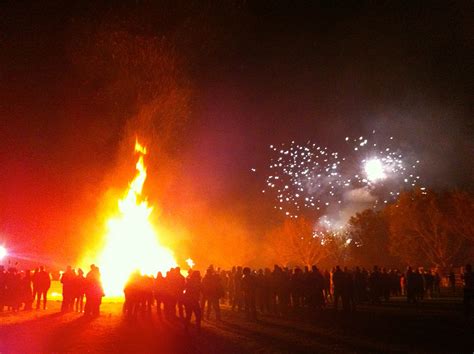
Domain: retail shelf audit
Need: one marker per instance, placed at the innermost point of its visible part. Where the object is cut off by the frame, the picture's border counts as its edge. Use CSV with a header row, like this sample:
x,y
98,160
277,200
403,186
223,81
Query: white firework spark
x,y
313,178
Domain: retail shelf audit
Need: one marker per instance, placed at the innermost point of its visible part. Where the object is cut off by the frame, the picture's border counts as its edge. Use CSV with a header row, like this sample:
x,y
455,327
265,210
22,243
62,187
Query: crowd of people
x,y
21,290
278,291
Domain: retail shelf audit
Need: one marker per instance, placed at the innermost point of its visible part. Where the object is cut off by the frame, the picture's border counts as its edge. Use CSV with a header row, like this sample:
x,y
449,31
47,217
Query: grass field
x,y
433,326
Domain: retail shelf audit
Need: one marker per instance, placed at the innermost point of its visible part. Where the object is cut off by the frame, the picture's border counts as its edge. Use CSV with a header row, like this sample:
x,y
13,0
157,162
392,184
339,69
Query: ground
x,y
434,326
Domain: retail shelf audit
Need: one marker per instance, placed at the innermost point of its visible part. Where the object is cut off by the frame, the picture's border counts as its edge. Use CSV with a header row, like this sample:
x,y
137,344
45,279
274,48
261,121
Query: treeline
x,y
420,228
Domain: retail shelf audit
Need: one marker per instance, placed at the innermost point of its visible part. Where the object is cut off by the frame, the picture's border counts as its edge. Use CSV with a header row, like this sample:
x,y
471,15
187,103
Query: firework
x,y
382,167
381,160
304,177
313,178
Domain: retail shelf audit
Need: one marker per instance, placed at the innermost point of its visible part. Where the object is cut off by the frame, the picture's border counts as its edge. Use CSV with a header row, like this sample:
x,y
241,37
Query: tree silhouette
x,y
369,232
424,228
296,243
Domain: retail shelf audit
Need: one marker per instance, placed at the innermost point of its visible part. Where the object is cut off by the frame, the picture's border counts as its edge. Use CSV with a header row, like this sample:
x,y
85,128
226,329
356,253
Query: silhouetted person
x,y
315,288
224,281
27,291
159,292
410,285
180,283
249,288
359,285
428,279
132,295
349,296
41,285
79,290
147,298
437,283
327,285
375,285
260,290
419,285
67,279
13,289
468,278
284,296
338,280
385,284
237,290
94,292
191,295
266,291
452,282
297,288
212,291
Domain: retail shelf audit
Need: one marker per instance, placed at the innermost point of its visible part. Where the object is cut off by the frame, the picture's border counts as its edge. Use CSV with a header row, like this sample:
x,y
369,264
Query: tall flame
x,y
132,242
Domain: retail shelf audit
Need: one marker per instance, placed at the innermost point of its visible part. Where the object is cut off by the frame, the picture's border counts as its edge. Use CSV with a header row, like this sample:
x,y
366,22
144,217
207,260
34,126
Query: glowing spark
x,y
374,170
190,263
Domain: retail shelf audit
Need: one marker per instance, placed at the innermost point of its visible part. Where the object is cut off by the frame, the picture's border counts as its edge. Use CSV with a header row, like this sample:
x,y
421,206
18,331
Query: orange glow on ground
x,y
131,242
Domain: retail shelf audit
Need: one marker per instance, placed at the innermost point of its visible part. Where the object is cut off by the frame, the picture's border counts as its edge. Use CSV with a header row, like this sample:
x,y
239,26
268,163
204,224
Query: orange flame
x,y
131,241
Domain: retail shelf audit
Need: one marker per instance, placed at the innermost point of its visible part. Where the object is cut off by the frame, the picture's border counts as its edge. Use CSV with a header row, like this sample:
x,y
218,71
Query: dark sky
x,y
209,85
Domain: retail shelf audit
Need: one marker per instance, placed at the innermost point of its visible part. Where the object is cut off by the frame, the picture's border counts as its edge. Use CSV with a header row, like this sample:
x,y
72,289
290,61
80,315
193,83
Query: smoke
x,y
80,87
145,80
354,201
359,196
436,131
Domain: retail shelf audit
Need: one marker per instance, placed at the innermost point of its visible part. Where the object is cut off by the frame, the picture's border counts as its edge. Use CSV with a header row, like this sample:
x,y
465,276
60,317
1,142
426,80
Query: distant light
x,y
3,252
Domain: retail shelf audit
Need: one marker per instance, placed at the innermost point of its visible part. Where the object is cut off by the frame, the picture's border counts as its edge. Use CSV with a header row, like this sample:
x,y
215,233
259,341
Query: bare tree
x,y
462,214
295,242
369,235
423,229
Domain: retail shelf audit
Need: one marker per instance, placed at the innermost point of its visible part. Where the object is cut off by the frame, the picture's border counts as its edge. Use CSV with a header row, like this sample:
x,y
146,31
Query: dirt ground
x,y
433,326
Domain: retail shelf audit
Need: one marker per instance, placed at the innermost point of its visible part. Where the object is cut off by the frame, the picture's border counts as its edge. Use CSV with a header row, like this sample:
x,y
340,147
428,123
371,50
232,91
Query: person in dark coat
x,y
452,282
94,292
68,279
375,285
159,293
212,291
191,296
41,285
315,288
338,280
27,291
249,288
79,291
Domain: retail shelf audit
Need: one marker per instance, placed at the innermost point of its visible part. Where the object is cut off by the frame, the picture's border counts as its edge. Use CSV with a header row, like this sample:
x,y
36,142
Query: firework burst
x,y
303,177
310,177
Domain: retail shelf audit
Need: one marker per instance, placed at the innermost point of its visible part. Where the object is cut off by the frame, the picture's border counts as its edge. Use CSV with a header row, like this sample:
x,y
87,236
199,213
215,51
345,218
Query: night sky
x,y
208,86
